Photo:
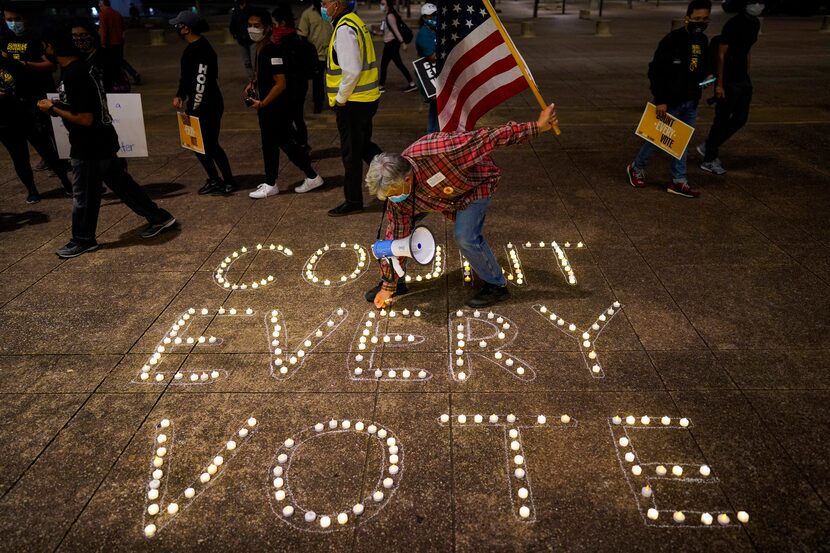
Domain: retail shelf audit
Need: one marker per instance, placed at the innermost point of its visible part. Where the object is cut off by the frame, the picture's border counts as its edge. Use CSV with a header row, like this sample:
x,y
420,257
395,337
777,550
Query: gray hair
x,y
385,171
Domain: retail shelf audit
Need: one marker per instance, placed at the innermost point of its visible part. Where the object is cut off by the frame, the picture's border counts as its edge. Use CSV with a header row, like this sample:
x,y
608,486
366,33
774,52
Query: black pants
x,y
87,176
318,87
277,134
38,129
15,142
392,52
214,156
731,113
297,108
117,52
354,123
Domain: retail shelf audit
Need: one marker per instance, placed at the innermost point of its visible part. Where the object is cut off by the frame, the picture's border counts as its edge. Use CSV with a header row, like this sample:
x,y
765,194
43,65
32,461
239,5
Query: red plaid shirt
x,y
450,171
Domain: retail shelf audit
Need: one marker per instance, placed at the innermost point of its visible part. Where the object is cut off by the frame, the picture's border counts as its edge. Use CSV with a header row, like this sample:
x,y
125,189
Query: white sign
x,y
127,118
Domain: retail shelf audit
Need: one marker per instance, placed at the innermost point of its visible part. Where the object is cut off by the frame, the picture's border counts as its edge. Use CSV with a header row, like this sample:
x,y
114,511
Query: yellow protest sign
x,y
190,133
664,131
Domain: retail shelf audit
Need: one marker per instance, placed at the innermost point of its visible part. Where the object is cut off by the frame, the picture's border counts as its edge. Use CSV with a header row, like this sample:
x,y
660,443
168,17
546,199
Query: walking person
x,y
318,33
239,31
352,88
199,95
24,50
88,43
284,34
733,90
393,41
452,174
675,74
270,96
93,147
111,25
425,44
11,123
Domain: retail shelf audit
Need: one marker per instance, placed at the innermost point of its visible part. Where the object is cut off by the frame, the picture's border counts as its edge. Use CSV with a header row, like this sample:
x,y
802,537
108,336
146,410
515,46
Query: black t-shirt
x,y
82,92
271,61
10,106
199,85
32,83
739,33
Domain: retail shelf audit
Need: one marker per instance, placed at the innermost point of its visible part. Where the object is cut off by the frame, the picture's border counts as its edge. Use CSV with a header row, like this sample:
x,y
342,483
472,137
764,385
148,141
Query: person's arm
x,y
273,94
748,61
400,225
482,142
83,119
348,57
658,73
392,24
304,28
104,28
720,92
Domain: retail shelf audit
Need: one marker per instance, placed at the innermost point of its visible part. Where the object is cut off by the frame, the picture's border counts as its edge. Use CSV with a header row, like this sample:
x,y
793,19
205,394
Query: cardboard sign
x,y
427,72
190,133
666,132
127,119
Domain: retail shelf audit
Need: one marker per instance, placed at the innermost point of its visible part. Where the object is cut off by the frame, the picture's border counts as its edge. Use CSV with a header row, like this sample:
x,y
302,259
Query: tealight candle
x,y
653,513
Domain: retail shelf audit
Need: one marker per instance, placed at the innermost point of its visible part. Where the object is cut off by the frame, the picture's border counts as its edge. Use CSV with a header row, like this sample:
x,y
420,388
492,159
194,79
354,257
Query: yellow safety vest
x,y
366,89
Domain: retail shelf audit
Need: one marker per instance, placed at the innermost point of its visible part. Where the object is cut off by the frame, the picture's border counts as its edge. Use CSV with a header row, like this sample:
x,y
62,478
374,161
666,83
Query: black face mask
x,y
52,58
696,27
84,45
181,35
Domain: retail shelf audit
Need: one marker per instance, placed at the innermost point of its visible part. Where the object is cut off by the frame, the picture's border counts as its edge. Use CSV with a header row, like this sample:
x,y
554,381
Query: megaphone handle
x,y
397,266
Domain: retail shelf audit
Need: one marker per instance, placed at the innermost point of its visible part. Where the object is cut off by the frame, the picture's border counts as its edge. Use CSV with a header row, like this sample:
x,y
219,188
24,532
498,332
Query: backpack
x,y
303,55
403,29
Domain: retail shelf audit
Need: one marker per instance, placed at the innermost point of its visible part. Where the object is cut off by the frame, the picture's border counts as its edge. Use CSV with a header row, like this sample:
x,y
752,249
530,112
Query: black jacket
x,y
198,85
680,63
239,25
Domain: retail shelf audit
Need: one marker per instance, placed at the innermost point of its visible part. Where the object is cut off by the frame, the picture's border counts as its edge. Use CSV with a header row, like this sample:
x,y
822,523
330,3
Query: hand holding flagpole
x,y
519,61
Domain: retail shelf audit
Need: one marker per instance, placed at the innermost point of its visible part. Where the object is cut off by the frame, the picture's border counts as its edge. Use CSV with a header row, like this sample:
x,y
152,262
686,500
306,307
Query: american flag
x,y
476,70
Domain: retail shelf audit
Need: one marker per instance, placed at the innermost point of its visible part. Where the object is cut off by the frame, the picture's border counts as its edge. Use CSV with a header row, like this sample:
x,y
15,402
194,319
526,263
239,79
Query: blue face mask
x,y
17,27
431,22
325,15
398,199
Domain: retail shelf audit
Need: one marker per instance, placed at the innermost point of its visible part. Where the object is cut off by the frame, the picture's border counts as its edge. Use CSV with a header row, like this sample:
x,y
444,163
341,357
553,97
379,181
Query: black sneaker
x,y
410,88
490,294
399,291
211,186
227,187
153,230
33,198
345,209
74,250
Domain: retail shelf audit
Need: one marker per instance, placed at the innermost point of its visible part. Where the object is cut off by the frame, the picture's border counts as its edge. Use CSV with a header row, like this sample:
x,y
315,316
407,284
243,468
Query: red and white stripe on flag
x,y
478,74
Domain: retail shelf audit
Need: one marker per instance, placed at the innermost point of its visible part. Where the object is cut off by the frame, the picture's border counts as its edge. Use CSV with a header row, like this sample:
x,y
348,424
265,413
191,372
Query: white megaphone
x,y
420,246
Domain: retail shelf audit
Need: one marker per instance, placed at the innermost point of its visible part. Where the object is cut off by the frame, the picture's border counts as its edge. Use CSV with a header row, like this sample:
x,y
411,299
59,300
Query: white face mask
x,y
754,9
256,34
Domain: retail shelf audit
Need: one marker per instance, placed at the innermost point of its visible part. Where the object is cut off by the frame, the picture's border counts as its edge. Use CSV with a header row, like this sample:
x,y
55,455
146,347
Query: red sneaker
x,y
635,177
683,189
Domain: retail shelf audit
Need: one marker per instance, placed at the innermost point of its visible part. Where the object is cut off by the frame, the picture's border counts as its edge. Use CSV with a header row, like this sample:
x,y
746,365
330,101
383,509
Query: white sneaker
x,y
701,149
263,191
309,184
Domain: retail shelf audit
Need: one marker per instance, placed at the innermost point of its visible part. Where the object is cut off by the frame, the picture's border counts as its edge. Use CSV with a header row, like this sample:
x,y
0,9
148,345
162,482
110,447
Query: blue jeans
x,y
467,233
432,117
686,112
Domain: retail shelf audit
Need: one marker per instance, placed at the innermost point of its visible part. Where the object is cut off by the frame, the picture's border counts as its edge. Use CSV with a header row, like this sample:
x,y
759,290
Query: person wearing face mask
x,y
675,73
199,95
733,91
392,44
274,106
452,174
19,45
425,43
318,33
352,86
93,147
87,41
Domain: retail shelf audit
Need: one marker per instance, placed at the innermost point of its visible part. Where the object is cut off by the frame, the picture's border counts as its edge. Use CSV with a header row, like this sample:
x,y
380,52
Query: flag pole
x,y
519,61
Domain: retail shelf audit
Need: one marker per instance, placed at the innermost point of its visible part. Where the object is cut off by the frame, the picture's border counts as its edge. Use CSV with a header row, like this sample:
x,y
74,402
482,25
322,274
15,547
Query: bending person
x,y
452,174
